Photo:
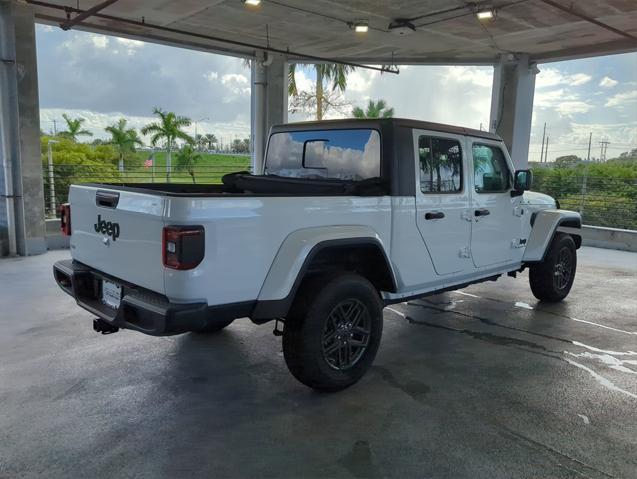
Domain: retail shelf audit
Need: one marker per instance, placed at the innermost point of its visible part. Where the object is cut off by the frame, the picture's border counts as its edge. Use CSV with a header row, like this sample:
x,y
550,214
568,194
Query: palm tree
x,y
187,160
124,139
169,128
200,142
74,128
378,109
335,73
211,141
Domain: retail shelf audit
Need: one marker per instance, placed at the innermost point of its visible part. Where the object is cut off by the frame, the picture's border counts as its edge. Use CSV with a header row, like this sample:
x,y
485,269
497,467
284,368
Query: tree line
x,y
166,132
604,193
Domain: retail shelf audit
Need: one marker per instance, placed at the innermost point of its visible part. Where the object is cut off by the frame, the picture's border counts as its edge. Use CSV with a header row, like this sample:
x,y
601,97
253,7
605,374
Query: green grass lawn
x,y
210,168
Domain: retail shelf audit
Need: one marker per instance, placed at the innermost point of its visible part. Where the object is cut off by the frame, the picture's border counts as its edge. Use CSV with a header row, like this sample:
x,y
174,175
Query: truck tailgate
x,y
119,233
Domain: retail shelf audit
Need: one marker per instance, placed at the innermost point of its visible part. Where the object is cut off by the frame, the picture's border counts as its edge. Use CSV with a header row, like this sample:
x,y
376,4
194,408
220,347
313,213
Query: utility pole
x,y
546,151
585,180
197,121
543,137
604,144
55,127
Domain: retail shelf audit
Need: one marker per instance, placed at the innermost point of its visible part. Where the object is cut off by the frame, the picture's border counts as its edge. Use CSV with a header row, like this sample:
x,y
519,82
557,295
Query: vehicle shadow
x,y
234,406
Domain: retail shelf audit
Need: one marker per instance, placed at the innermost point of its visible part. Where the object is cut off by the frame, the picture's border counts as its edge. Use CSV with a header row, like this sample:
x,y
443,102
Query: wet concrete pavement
x,y
483,382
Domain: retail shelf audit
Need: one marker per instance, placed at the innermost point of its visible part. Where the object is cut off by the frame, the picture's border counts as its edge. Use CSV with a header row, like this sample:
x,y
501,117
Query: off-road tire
x,y
213,327
547,279
311,331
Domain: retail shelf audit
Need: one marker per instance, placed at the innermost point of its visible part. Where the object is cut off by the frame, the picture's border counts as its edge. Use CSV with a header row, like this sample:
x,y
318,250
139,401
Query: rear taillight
x,y
183,246
65,219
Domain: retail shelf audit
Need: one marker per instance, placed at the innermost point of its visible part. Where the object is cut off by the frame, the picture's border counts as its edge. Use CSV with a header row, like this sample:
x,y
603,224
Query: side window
x,y
490,170
440,165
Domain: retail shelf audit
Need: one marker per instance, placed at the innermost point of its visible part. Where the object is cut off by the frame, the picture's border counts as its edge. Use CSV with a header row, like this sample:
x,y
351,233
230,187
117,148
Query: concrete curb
x,y
55,239
609,238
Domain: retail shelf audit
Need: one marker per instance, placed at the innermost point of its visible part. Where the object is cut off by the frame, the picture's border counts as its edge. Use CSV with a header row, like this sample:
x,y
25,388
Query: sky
x,y
103,78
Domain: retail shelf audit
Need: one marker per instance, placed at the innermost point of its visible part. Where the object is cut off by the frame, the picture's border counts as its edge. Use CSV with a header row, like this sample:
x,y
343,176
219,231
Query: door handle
x,y
434,215
482,212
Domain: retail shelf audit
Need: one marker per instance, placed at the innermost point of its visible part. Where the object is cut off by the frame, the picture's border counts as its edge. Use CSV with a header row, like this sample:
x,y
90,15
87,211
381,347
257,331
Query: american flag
x,y
149,162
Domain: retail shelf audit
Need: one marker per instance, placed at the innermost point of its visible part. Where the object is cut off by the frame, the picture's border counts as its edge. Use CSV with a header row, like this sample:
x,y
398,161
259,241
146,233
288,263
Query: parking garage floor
x,y
479,383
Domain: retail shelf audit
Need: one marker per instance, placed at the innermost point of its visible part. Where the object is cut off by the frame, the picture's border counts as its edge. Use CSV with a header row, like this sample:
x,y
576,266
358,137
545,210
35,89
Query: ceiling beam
x,y
304,57
70,23
614,47
589,19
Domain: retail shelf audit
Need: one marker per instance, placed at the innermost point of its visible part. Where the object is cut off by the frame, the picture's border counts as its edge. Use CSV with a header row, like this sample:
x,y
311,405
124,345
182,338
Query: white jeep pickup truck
x,y
347,217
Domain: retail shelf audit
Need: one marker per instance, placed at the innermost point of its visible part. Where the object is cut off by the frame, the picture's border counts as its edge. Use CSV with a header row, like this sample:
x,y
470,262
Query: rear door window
x,y
440,161
324,154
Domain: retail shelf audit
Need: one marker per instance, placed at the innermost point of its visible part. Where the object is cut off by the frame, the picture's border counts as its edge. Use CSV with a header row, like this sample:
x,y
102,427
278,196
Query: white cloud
x,y
553,77
623,133
608,82
621,99
303,82
361,80
99,41
234,78
548,99
569,108
114,81
579,79
130,43
211,76
236,83
473,75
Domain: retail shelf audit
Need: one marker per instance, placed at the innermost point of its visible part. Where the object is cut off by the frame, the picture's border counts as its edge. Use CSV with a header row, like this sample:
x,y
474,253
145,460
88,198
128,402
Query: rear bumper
x,y
140,309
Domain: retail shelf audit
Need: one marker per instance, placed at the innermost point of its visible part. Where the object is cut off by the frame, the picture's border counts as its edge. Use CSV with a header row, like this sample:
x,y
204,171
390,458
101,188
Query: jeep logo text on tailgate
x,y
107,227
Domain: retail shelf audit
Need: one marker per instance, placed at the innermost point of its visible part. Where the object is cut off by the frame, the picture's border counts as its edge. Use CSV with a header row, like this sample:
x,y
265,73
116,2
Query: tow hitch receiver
x,y
103,327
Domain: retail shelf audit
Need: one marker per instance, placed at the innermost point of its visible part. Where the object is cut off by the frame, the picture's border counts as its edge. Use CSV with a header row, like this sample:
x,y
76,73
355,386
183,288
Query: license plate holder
x,y
111,294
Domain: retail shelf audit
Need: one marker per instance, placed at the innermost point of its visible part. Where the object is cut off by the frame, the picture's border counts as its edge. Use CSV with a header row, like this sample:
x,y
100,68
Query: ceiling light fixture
x,y
361,26
252,3
485,13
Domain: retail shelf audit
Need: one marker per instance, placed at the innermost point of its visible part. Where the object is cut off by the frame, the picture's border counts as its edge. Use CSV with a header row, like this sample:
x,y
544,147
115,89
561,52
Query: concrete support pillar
x,y
22,226
512,105
269,102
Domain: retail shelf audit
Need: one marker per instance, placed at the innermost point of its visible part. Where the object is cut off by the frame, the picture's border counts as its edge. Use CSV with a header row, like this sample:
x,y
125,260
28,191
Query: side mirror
x,y
522,181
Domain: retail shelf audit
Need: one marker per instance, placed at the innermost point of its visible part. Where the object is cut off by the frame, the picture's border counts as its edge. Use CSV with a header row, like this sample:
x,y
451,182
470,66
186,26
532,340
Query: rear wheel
x,y
552,279
333,331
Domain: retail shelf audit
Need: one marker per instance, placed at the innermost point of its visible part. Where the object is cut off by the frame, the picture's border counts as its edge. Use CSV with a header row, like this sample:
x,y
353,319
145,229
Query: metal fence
x,y
602,201
58,179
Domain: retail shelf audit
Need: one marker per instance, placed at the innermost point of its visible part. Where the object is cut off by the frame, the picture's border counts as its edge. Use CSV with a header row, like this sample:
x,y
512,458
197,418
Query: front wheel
x,y
333,331
552,279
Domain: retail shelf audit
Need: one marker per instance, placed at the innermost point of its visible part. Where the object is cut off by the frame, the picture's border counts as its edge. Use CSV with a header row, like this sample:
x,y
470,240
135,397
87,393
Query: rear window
x,y
330,154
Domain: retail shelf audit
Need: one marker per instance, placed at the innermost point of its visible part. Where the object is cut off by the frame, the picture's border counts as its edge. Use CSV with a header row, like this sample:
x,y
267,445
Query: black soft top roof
x,y
382,124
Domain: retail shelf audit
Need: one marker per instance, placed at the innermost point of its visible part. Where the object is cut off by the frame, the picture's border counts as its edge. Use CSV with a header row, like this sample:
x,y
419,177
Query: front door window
x,y
490,171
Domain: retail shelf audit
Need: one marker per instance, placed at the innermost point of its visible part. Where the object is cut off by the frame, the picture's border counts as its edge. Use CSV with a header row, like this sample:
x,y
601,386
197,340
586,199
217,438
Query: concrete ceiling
x,y
446,31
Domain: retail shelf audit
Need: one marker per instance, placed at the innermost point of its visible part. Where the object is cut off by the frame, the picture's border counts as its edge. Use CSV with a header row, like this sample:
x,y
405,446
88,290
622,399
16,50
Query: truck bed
x,y
241,184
